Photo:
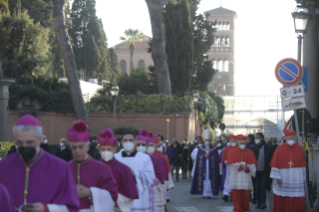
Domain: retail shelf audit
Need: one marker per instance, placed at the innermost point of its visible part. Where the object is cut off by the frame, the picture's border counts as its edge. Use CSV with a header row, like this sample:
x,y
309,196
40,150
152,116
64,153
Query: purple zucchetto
x,y
106,138
151,138
78,132
28,120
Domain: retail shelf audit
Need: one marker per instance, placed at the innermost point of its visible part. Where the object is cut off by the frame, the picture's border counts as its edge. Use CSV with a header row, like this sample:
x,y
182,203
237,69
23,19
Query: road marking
x,y
187,209
226,209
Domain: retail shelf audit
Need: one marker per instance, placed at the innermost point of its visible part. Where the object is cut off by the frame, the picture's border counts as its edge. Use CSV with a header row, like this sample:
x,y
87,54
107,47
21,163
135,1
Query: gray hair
x,y
37,130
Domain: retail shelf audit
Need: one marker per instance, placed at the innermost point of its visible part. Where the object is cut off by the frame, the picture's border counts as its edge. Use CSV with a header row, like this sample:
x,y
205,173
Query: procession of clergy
x,y
138,178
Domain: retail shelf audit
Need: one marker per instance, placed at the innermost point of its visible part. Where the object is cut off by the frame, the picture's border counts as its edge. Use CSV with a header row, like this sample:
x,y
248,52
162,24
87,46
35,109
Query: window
x,y
214,64
123,66
220,65
224,87
141,64
222,41
226,66
227,41
227,26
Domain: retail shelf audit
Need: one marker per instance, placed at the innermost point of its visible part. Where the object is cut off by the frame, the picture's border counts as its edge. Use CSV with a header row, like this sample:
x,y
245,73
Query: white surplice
x,y
292,181
57,208
207,185
194,156
226,190
102,201
143,168
241,180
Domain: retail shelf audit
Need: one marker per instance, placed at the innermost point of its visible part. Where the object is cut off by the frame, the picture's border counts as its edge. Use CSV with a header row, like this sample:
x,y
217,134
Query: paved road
x,y
182,201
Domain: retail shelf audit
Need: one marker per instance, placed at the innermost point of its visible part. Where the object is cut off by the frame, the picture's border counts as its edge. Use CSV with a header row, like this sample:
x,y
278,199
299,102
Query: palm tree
x,y
132,36
155,8
69,61
4,6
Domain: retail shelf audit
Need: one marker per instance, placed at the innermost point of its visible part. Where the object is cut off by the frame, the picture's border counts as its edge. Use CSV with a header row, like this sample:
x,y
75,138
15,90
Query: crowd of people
x,y
244,168
140,176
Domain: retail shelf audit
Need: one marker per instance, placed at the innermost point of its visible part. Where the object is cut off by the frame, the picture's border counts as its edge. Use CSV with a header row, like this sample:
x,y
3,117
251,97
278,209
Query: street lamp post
x,y
195,100
115,92
167,129
302,19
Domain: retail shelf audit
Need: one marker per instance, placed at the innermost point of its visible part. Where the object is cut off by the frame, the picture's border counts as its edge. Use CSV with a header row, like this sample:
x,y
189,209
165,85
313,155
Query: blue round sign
x,y
288,72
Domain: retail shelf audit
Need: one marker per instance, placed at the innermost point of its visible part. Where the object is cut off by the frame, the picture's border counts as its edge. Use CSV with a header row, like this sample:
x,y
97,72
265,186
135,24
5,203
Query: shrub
x,y
4,148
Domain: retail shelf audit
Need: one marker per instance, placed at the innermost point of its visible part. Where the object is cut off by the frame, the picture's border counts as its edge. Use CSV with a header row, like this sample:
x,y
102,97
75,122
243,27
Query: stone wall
x,y
55,125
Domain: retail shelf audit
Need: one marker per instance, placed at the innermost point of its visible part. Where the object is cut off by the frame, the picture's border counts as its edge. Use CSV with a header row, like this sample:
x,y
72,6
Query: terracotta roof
x,y
220,10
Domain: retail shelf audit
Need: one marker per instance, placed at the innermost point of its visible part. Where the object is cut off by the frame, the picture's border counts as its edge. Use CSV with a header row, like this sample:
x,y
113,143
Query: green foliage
x,y
89,41
114,65
179,44
137,81
188,38
54,96
4,148
133,35
220,105
4,7
24,47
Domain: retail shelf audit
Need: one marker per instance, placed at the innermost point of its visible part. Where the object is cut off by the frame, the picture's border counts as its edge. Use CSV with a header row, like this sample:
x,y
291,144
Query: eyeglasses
x,y
140,144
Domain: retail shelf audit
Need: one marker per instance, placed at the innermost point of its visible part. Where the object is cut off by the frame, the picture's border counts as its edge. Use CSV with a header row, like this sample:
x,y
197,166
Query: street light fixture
x,y
302,19
115,92
195,100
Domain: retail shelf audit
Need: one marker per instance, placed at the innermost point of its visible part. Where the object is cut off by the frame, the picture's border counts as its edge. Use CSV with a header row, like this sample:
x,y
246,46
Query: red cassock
x,y
281,160
241,198
225,152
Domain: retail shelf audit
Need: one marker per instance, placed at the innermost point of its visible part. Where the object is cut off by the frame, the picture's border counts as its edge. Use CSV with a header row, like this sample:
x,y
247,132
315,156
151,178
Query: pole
x,y
299,47
114,113
195,120
297,126
168,130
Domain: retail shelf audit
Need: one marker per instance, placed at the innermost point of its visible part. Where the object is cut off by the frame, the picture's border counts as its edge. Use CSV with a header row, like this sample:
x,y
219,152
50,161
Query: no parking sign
x,y
289,72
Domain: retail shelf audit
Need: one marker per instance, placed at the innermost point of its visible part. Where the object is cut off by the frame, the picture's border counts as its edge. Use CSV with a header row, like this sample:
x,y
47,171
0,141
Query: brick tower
x,y
222,52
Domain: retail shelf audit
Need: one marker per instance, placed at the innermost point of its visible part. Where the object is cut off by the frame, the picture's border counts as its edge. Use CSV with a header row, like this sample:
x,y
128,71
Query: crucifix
x,y
290,163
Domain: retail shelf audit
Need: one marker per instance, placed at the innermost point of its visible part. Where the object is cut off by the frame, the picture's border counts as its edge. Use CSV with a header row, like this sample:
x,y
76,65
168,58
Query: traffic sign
x,y
292,92
288,72
304,78
294,104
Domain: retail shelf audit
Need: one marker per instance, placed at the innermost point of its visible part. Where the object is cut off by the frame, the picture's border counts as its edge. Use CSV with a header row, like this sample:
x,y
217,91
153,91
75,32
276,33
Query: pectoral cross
x,y
290,163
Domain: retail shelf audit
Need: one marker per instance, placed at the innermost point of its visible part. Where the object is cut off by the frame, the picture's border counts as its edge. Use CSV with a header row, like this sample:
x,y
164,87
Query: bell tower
x,y
222,52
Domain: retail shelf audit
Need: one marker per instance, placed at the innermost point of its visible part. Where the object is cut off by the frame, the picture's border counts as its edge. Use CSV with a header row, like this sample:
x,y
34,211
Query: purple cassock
x,y
124,178
200,170
167,151
157,168
50,181
6,202
94,173
163,166
222,181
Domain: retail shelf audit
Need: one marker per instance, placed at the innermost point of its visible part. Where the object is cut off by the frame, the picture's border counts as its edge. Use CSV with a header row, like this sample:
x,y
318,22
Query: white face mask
x,y
228,143
159,148
219,144
207,143
233,144
61,144
150,150
242,146
141,149
257,141
45,141
107,156
128,146
290,142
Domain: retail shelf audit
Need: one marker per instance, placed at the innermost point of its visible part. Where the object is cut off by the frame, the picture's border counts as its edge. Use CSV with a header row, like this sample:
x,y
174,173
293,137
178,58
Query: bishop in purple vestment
x,y
6,202
206,174
33,176
122,174
95,183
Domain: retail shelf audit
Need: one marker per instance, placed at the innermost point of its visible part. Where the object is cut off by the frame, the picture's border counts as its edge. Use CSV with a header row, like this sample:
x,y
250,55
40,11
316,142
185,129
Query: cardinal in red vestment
x,y
242,165
288,169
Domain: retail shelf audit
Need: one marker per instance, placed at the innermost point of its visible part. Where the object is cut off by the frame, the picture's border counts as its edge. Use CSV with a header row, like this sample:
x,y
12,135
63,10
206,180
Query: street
x,y
182,201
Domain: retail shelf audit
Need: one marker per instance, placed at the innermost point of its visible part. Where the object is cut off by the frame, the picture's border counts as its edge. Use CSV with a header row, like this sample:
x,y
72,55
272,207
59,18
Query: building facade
x,y
222,53
141,58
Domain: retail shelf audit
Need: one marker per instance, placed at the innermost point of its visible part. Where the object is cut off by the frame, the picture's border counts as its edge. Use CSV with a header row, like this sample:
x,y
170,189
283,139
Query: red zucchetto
x,y
232,137
241,137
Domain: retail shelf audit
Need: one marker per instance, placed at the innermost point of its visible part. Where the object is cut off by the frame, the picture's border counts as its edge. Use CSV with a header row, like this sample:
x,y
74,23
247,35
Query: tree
x,y
179,46
89,40
24,47
114,65
132,36
155,8
69,62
